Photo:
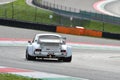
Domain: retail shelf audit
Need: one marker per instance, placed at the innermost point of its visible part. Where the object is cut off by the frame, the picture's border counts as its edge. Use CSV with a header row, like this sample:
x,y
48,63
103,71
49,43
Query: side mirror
x,y
29,42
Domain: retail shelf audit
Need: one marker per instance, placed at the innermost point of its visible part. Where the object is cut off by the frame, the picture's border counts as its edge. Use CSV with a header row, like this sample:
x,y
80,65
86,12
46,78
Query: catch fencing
x,y
35,15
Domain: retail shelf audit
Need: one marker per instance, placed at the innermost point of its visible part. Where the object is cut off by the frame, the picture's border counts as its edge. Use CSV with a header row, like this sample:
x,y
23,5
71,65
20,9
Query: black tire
x,y
67,59
28,57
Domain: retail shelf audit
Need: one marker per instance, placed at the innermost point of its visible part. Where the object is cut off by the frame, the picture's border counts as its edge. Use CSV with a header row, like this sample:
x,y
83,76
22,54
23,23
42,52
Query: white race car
x,y
49,46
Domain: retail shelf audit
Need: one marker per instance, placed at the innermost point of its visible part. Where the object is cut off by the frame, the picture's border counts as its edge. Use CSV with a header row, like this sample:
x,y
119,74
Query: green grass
x,y
4,76
19,10
100,26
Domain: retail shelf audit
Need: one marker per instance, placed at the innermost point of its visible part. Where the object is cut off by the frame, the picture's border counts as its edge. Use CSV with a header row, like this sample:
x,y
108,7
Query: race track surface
x,y
77,4
113,7
88,63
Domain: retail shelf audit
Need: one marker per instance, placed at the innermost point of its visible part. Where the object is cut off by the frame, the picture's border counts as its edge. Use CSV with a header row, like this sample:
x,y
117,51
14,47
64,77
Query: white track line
x,y
1,3
36,74
100,6
73,45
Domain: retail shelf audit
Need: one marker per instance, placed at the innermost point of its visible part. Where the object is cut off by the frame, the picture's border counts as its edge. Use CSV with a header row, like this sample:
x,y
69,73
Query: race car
x,y
49,46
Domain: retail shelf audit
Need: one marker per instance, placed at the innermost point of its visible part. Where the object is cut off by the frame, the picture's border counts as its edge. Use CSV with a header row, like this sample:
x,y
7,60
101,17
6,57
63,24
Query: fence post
x,y
103,24
71,20
5,13
35,14
12,10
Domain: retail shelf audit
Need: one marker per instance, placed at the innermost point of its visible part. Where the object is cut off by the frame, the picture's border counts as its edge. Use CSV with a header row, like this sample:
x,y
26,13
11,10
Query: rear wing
x,y
61,40
49,41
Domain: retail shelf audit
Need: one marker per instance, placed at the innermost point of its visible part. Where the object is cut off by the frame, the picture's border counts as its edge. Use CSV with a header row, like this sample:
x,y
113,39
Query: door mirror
x,y
29,42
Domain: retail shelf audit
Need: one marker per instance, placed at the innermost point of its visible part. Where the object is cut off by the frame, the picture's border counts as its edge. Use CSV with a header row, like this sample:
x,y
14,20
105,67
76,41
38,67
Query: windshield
x,y
49,37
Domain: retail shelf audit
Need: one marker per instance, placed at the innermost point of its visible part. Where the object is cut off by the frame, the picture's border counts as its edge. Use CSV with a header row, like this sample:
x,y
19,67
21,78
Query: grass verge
x,y
5,76
19,10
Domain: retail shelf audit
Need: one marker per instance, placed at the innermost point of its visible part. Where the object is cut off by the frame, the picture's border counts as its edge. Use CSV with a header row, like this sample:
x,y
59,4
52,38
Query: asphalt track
x,y
93,64
109,7
77,4
113,7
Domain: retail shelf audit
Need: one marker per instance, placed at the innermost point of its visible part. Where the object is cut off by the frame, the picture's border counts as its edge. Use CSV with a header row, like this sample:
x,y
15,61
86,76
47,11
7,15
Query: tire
x,y
67,59
28,57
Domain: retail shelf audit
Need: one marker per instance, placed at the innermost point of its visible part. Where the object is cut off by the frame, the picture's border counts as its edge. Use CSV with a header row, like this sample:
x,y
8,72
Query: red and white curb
x,y
36,74
100,6
23,42
94,46
13,42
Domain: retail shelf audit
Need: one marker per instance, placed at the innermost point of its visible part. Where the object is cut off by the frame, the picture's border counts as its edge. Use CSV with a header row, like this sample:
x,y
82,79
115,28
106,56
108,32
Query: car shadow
x,y
47,60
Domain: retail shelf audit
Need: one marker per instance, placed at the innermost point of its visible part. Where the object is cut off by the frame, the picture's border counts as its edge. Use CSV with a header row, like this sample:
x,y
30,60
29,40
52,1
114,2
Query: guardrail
x,y
68,11
27,25
59,29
